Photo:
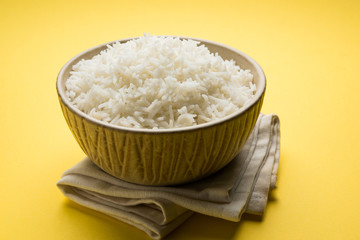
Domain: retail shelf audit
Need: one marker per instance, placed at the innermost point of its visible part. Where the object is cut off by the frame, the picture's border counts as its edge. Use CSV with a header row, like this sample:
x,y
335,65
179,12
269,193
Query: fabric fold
x,y
242,186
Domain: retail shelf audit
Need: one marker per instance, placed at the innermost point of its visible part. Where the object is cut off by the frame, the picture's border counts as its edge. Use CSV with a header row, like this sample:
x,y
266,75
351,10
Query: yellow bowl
x,y
165,156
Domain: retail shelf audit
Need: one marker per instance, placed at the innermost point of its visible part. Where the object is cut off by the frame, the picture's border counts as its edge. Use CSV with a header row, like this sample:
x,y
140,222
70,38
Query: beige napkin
x,y
242,186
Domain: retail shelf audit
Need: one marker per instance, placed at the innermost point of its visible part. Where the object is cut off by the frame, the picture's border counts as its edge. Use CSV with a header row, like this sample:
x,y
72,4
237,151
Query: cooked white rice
x,y
158,82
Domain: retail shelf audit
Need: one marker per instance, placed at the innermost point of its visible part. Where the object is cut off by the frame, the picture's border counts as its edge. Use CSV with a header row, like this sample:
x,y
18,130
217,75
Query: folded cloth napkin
x,y
242,186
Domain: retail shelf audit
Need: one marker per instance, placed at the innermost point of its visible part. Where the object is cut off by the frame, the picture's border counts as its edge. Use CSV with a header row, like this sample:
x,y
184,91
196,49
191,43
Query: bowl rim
x,y
260,90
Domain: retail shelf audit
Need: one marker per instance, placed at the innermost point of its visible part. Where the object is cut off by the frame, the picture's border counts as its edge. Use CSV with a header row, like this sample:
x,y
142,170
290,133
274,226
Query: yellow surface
x,y
309,51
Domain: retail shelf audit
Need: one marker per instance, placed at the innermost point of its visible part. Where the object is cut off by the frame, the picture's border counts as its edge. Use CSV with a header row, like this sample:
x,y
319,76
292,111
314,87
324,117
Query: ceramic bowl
x,y
165,156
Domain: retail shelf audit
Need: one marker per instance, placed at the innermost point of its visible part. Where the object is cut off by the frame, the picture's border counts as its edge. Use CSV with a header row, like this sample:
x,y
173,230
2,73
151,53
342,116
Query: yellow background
x,y
309,50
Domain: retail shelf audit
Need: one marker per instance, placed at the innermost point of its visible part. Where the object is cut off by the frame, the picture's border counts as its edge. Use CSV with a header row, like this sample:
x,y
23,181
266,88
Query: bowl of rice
x,y
161,110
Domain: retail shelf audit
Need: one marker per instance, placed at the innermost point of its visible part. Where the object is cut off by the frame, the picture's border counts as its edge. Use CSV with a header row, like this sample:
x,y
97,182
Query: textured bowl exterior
x,y
159,157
